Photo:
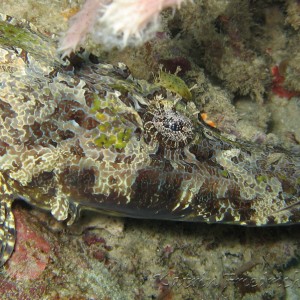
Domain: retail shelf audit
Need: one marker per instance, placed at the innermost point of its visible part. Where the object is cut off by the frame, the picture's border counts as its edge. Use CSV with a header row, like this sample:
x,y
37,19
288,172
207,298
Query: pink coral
x,y
81,24
115,23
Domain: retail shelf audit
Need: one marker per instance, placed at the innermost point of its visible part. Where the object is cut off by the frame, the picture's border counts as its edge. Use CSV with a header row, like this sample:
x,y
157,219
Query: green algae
x,y
21,37
174,84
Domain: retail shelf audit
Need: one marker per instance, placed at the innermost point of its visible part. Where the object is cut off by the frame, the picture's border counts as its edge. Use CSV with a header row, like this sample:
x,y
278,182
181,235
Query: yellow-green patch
x,y
224,173
113,127
261,178
118,138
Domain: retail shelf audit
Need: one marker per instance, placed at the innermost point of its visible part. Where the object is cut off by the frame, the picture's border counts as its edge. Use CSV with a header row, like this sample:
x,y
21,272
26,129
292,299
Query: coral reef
x,y
222,31
291,73
156,259
293,13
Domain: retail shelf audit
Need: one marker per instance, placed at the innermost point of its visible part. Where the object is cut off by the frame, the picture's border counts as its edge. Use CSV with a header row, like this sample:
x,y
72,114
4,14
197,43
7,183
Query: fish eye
x,y
173,124
169,127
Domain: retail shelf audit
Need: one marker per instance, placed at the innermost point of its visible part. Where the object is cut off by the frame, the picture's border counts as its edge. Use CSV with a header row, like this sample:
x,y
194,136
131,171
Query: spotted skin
x,y
86,135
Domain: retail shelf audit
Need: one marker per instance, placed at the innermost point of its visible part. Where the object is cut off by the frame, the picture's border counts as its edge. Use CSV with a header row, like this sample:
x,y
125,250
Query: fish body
x,y
87,135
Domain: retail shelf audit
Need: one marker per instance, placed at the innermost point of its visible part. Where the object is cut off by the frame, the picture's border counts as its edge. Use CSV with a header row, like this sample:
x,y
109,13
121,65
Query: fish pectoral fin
x,y
62,209
7,230
59,207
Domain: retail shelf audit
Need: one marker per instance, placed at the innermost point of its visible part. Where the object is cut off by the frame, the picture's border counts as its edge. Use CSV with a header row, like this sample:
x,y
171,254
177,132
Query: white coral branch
x,y
80,25
130,22
115,23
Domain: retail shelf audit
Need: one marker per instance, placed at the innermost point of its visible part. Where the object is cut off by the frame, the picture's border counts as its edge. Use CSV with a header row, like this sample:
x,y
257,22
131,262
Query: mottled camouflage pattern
x,y
88,135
